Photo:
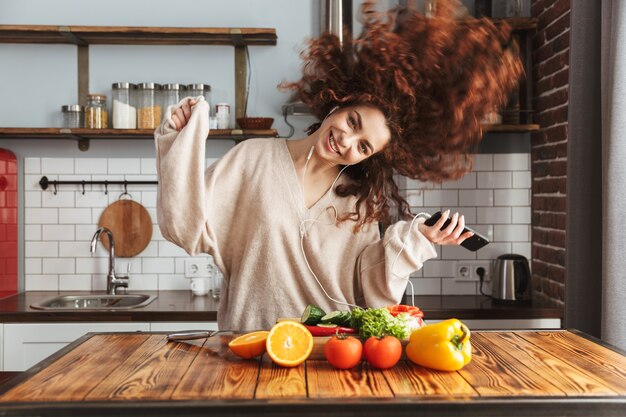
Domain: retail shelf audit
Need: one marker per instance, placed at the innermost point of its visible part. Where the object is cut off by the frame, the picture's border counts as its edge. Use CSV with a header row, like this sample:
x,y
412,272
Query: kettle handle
x,y
522,270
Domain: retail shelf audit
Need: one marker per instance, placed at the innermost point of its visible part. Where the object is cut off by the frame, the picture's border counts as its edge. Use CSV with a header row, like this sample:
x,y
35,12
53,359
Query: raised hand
x,y
181,115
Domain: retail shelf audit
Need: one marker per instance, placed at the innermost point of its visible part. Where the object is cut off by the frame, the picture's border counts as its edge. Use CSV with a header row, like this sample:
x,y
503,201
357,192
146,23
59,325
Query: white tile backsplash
x,y
468,181
477,198
35,282
442,198
124,166
483,162
32,165
511,162
90,166
148,166
57,166
495,199
58,232
75,282
493,215
497,179
75,216
32,198
425,286
41,215
521,215
517,197
522,179
58,265
32,232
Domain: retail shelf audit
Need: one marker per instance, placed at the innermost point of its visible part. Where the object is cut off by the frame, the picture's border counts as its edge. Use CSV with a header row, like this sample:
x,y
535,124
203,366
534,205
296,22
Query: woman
x,y
296,222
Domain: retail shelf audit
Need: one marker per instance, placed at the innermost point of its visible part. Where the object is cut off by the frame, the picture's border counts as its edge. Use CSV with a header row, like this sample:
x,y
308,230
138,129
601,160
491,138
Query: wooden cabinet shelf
x,y
136,35
120,134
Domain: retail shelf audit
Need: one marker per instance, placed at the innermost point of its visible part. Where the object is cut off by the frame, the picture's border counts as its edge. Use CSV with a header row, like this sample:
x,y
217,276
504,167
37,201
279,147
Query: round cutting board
x,y
131,226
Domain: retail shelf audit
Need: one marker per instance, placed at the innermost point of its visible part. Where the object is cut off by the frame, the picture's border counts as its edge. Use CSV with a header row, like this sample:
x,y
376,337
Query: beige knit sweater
x,y
246,210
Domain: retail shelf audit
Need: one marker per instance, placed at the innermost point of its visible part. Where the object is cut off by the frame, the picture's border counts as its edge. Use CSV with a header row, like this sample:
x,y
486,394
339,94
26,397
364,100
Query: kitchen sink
x,y
95,302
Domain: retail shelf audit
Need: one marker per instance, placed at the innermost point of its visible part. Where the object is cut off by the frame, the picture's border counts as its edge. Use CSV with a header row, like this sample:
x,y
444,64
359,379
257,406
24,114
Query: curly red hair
x,y
434,79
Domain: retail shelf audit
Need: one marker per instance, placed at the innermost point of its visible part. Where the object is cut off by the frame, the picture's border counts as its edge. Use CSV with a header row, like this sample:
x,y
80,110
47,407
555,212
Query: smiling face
x,y
351,134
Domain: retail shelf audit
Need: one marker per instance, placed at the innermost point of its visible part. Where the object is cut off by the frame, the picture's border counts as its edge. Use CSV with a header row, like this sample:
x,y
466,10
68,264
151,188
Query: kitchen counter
x,y
184,306
521,373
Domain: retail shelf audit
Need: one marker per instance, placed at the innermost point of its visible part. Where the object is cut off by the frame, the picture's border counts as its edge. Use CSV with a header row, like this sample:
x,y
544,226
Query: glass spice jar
x,y
96,116
124,110
148,106
171,95
200,89
72,116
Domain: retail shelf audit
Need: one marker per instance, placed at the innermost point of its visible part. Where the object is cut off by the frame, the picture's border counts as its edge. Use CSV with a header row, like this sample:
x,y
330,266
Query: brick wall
x,y
549,147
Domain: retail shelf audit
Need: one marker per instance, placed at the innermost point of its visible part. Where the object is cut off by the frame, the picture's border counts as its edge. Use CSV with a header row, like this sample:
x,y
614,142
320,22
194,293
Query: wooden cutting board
x,y
131,226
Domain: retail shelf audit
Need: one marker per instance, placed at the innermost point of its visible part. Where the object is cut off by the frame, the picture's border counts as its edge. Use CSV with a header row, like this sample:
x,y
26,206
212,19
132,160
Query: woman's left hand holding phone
x,y
181,115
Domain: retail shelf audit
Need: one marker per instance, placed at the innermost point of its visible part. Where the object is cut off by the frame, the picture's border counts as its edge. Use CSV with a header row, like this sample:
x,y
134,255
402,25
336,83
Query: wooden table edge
x,y
474,407
597,341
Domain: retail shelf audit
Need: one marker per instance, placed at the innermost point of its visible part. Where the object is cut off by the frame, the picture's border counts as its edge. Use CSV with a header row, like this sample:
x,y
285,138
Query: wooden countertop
x,y
184,306
520,373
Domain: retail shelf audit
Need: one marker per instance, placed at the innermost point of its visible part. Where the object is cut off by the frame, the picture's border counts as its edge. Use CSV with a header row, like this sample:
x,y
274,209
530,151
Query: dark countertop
x,y
184,306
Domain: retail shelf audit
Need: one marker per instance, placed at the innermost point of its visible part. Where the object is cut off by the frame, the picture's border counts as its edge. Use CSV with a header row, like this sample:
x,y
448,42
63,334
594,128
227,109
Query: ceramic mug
x,y
200,286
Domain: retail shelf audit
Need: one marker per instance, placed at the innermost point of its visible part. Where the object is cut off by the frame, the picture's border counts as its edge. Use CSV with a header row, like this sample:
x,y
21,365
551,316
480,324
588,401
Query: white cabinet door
x,y
26,344
178,326
1,346
509,324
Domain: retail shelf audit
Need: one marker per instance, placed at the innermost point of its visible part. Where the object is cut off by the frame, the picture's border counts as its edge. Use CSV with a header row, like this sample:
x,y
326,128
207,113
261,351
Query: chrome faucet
x,y
113,282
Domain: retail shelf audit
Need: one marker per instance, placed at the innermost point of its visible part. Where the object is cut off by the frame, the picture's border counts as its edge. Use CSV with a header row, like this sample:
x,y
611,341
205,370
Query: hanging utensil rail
x,y
44,183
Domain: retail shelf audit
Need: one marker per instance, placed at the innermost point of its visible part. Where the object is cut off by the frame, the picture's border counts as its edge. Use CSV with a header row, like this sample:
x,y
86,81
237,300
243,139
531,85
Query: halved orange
x,y
289,343
249,345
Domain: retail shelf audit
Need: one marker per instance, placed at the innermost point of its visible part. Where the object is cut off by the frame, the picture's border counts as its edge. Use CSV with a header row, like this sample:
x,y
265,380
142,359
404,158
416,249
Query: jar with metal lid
x,y
222,113
148,105
124,110
195,90
73,116
96,115
171,95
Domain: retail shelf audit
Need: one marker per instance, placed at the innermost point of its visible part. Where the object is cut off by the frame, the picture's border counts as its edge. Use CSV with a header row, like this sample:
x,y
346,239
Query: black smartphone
x,y
473,243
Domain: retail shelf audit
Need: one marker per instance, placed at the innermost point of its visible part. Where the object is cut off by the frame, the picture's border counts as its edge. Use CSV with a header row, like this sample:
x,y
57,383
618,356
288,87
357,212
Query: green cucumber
x,y
339,318
312,315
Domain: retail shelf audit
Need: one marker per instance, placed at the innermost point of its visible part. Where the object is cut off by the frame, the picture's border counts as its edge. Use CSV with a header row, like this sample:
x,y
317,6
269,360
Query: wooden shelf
x,y
136,35
84,36
120,134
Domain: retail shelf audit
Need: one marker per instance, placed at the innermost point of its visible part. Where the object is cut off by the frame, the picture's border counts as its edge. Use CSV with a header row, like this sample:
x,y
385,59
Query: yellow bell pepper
x,y
444,346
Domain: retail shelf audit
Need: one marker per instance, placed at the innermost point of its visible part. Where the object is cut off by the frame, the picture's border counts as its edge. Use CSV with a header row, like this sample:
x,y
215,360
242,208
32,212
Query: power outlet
x,y
468,270
197,268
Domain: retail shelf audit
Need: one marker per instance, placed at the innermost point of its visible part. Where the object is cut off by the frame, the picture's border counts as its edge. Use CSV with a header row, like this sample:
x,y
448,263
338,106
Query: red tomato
x,y
343,353
382,353
403,308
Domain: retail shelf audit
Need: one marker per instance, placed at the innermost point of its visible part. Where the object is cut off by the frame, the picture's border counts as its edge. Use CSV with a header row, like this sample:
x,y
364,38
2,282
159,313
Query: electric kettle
x,y
511,279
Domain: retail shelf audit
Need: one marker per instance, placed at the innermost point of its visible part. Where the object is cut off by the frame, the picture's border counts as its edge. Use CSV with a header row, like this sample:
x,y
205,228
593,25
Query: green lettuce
x,y
379,322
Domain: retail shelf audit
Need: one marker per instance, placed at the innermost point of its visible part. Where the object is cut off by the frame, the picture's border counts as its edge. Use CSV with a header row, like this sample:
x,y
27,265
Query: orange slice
x,y
249,345
289,343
